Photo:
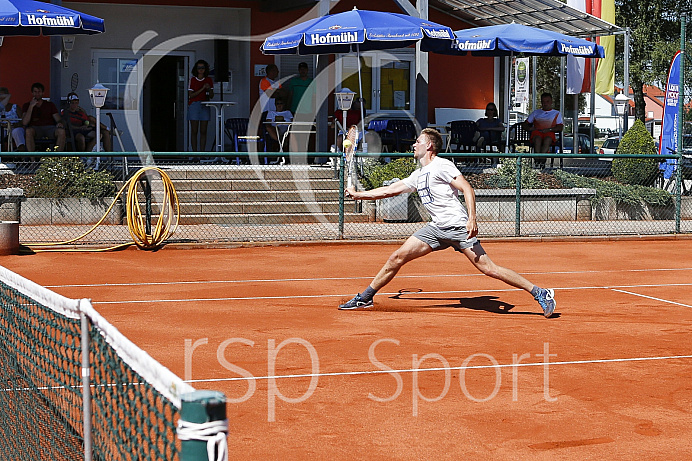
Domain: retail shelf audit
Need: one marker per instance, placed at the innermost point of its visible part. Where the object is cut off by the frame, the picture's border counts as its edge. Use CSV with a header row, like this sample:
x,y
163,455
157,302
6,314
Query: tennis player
x,y
438,183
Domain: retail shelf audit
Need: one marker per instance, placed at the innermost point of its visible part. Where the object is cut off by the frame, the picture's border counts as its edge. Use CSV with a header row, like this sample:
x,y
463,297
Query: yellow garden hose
x,y
166,222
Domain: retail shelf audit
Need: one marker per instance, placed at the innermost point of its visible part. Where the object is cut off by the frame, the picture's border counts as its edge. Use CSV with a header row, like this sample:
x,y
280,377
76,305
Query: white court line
x,y
380,372
368,277
254,298
412,370
655,299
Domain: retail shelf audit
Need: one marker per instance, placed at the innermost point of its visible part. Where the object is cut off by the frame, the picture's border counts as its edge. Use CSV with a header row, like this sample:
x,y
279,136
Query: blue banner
x,y
669,124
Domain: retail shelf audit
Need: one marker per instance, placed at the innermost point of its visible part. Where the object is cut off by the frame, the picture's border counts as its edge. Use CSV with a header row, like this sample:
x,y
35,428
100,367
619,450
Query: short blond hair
x,y
434,137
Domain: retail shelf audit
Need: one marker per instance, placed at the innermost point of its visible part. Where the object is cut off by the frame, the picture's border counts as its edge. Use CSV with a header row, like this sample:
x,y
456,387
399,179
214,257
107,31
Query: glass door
x,y
395,92
387,79
121,72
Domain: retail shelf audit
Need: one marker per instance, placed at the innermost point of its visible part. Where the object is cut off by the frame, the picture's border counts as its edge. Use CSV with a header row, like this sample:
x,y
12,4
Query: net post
x,y
86,385
203,427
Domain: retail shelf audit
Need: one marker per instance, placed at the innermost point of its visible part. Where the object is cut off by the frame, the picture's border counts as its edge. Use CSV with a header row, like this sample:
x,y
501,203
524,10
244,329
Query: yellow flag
x,y
605,72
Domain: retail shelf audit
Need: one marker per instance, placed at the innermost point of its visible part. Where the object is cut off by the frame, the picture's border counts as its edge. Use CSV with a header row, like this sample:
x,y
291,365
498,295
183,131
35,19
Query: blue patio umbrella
x,y
30,18
356,31
510,39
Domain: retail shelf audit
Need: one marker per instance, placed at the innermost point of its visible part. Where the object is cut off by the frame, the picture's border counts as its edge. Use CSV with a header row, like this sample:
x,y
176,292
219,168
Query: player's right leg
x,y
411,249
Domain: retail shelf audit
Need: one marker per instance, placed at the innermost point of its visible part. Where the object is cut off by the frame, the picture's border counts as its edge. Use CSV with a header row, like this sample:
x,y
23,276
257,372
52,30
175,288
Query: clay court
x,y
449,364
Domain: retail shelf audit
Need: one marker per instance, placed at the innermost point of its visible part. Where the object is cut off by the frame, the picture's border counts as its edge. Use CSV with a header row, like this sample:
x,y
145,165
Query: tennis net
x,y
134,400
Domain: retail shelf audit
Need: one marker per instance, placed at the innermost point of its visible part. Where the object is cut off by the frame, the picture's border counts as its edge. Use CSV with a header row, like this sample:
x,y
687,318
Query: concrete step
x,y
255,185
253,196
269,219
258,208
256,196
269,173
235,195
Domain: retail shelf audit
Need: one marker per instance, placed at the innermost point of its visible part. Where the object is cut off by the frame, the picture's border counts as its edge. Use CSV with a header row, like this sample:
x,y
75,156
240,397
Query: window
x,y
120,77
387,80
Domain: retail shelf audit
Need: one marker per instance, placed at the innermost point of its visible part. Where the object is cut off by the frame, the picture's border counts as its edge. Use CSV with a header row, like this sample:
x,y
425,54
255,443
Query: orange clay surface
x,y
618,386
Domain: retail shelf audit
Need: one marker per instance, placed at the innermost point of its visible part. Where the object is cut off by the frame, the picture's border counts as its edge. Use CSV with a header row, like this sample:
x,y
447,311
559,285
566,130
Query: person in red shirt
x,y
201,89
83,126
41,119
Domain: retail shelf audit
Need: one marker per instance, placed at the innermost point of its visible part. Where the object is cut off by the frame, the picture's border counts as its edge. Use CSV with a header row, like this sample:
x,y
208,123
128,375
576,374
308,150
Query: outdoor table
x,y
294,127
219,107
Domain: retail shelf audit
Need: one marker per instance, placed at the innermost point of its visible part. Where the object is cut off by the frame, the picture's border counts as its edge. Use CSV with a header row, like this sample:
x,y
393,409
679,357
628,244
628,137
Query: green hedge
x,y
637,141
62,177
506,177
622,193
376,173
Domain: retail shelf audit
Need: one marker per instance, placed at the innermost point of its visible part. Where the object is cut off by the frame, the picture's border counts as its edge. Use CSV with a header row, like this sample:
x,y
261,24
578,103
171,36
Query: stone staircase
x,y
259,195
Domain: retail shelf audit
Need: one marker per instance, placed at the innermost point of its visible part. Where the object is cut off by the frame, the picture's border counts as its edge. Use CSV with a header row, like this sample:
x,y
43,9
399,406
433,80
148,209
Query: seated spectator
x,y
490,128
11,111
83,126
543,124
279,114
42,120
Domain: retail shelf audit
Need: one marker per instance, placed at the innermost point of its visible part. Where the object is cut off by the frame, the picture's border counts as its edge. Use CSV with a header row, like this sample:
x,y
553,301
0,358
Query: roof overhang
x,y
545,14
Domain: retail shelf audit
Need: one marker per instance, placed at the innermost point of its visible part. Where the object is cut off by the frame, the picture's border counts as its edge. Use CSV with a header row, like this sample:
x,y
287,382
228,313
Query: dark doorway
x,y
164,113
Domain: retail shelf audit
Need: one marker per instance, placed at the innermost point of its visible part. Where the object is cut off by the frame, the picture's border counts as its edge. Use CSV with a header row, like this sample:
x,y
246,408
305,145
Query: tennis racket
x,y
350,142
74,82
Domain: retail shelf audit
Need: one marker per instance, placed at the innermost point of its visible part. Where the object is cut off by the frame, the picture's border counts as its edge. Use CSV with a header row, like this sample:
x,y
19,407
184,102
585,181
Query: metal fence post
x,y
678,190
681,124
517,207
342,165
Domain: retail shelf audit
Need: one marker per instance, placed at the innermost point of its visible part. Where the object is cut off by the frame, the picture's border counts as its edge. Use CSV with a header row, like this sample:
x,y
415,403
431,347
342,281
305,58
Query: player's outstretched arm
x,y
391,190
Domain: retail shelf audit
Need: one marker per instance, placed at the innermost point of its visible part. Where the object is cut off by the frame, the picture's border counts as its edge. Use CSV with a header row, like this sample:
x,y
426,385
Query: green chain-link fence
x,y
241,197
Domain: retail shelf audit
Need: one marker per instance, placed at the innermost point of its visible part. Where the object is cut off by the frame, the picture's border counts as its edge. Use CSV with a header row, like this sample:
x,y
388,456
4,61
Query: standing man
x,y
301,99
438,183
268,86
297,88
543,124
41,119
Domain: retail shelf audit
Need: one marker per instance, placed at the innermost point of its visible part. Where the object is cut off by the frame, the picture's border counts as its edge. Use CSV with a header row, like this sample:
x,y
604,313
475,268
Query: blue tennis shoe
x,y
546,298
356,303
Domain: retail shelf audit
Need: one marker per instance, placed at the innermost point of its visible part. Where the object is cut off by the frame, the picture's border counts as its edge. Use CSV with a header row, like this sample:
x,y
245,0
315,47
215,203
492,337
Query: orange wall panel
x,y
23,61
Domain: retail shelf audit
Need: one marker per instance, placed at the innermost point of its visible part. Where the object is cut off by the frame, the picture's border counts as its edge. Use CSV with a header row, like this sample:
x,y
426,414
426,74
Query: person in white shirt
x,y
438,182
543,124
279,114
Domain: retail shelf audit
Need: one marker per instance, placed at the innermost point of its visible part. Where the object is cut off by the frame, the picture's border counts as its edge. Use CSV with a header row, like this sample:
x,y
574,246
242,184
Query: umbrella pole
x,y
508,99
360,89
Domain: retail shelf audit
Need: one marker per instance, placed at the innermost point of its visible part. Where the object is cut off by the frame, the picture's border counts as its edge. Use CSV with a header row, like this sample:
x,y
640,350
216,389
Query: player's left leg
x,y
483,263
